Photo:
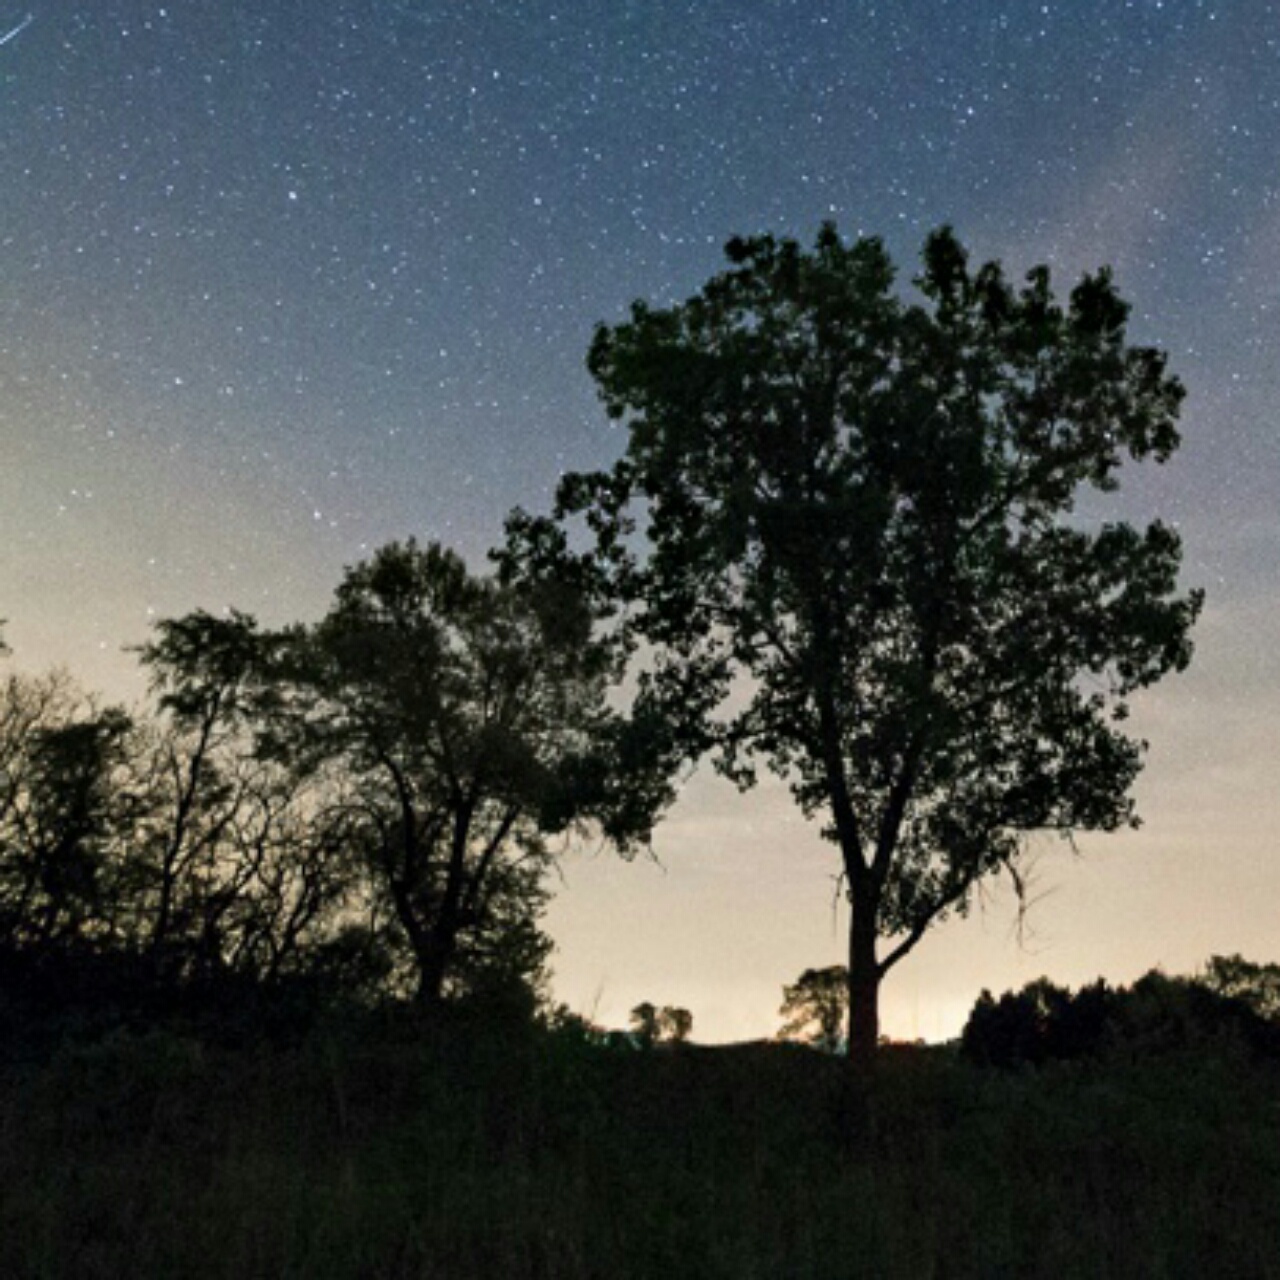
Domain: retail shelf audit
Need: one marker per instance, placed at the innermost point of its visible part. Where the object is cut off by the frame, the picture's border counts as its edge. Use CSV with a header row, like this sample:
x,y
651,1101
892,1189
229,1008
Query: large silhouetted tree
x,y
469,715
845,527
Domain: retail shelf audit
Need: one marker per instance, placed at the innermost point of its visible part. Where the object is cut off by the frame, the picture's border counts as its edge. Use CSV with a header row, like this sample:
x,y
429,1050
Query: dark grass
x,y
370,1153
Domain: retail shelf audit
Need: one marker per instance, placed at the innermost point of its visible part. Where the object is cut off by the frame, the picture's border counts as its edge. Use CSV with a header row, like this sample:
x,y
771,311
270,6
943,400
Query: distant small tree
x,y
814,1007
669,1025
1257,985
644,1023
65,813
1018,1028
241,862
30,709
674,1024
1163,1013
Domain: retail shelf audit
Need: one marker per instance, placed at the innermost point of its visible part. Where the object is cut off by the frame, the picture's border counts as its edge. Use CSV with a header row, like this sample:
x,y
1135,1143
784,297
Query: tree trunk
x,y
864,987
855,1109
434,958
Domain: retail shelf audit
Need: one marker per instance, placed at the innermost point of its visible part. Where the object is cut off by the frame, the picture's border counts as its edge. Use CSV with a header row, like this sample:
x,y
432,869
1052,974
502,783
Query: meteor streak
x,y
19,29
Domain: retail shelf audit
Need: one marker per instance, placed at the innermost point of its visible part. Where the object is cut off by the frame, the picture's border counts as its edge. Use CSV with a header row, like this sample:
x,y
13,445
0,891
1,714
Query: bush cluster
x,y
1158,1014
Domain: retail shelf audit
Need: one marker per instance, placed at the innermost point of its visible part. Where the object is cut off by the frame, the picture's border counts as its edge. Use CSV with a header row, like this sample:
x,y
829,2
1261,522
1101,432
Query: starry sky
x,y
280,282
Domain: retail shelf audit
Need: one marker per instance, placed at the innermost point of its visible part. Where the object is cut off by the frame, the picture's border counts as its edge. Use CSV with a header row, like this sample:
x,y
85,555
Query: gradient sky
x,y
282,281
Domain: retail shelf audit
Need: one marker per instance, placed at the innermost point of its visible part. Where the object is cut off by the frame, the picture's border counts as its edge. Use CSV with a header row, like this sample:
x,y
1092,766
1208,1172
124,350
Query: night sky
x,y
282,281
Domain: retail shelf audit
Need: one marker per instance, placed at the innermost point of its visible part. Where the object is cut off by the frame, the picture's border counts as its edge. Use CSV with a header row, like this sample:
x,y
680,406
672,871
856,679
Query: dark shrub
x,y
1156,1015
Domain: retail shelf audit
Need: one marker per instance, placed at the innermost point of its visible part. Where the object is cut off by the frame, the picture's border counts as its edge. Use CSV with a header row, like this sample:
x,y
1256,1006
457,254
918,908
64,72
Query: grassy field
x,y
368,1153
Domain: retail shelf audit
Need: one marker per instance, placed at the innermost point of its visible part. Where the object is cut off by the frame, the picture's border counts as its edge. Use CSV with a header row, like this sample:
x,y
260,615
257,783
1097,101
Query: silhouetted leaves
x,y
668,1025
469,717
1256,985
365,806
1157,1015
815,1007
843,532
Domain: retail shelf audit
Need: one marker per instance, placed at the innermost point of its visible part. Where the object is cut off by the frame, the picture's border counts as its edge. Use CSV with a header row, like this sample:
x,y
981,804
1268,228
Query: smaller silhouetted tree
x,y
1079,1026
1165,1014
241,863
1257,985
668,1025
463,722
63,813
1016,1029
644,1023
674,1024
814,1007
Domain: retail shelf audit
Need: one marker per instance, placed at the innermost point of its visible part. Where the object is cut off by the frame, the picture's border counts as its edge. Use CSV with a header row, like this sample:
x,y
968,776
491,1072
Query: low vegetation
x,y
376,1145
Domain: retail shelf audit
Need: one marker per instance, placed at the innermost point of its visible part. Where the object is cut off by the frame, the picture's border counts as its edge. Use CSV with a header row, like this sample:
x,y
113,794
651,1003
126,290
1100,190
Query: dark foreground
x,y
369,1154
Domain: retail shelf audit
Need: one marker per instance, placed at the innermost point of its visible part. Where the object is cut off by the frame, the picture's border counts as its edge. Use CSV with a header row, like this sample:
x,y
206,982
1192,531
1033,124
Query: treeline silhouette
x,y
362,811
1234,1005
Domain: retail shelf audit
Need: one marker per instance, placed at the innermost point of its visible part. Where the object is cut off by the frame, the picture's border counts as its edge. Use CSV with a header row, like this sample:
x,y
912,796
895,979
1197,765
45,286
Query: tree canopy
x,y
367,805
815,1007
856,515
469,717
1218,1011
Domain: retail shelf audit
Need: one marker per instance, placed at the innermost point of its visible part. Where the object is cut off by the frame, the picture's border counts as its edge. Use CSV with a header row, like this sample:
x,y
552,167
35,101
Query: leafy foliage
x,y
668,1025
362,807
675,1025
815,1007
469,719
64,809
238,865
1256,985
1158,1014
856,515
